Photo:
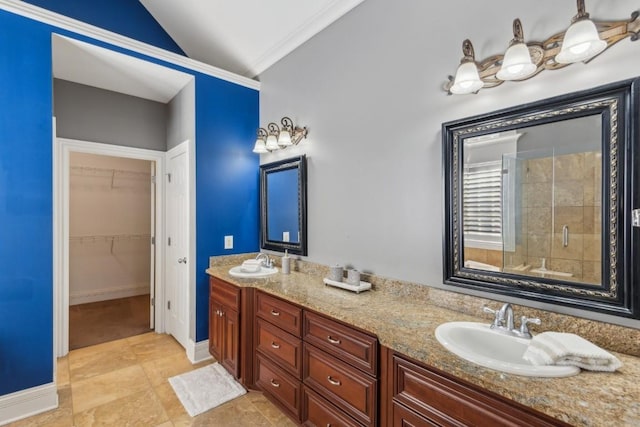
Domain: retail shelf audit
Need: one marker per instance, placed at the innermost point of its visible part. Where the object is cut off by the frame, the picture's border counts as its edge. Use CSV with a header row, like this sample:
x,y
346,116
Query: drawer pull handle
x,y
332,340
275,313
274,345
332,381
275,383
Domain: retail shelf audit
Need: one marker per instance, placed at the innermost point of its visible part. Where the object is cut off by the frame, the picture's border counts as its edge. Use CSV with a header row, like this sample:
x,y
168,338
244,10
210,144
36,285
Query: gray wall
x,y
565,137
91,114
369,89
181,123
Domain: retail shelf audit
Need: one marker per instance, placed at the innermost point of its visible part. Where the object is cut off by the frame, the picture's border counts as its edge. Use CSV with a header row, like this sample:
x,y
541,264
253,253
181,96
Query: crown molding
x,y
304,32
55,19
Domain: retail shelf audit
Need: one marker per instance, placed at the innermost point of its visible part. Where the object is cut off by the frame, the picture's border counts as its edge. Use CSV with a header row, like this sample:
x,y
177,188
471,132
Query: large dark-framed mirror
x,y
539,200
283,205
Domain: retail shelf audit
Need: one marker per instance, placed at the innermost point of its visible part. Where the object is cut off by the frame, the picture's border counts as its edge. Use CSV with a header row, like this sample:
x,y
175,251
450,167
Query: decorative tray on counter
x,y
363,286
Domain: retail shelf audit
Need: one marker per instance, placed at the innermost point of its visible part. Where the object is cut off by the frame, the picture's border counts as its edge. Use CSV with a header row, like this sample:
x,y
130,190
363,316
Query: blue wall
x,y
26,302
226,192
227,179
126,17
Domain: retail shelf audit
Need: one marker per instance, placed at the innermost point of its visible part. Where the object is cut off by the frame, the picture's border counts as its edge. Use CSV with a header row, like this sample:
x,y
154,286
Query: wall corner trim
x,y
306,30
25,403
45,16
198,352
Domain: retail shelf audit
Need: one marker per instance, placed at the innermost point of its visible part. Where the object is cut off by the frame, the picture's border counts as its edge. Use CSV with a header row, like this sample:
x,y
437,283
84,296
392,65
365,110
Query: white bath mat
x,y
205,388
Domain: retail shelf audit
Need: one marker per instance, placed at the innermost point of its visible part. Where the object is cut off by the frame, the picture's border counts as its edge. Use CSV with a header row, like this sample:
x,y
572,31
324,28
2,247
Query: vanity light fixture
x,y
516,64
275,137
467,78
581,42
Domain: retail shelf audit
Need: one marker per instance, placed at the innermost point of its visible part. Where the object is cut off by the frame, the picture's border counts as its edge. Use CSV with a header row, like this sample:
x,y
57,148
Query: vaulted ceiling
x,y
244,36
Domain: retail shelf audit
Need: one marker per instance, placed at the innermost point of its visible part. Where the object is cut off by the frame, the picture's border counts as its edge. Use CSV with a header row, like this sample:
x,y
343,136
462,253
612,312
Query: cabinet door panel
x,y
319,412
403,417
231,346
215,329
283,314
452,403
279,386
224,292
282,347
347,344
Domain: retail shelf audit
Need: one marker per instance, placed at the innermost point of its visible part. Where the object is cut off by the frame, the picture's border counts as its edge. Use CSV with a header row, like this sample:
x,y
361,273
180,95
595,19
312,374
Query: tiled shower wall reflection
x,y
561,191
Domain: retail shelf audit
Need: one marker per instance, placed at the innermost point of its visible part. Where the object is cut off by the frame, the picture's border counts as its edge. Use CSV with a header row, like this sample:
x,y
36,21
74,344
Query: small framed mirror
x,y
539,200
283,205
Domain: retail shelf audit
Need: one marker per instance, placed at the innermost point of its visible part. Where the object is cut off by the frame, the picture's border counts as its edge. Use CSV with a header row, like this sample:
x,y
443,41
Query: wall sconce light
x,y
276,137
581,42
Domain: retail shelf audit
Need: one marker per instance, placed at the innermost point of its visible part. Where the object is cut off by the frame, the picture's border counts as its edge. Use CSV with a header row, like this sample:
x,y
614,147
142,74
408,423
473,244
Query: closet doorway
x,y
108,208
111,261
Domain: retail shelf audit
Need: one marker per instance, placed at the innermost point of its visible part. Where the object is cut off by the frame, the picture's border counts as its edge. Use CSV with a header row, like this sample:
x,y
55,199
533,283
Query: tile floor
x,y
125,383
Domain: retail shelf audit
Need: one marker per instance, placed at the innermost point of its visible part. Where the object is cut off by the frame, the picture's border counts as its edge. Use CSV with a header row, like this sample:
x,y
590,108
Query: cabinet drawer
x,y
403,417
317,412
282,347
348,344
453,403
281,313
224,292
280,386
348,388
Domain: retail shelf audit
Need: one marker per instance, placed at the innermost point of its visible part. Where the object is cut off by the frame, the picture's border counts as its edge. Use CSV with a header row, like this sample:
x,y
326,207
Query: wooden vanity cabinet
x,y
423,396
229,328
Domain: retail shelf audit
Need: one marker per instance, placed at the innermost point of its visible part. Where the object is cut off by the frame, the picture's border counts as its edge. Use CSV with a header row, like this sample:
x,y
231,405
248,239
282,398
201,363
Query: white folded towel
x,y
251,265
559,348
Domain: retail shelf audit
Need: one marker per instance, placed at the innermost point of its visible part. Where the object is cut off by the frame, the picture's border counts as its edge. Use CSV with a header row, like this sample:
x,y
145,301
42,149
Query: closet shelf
x,y
111,174
110,238
98,238
108,172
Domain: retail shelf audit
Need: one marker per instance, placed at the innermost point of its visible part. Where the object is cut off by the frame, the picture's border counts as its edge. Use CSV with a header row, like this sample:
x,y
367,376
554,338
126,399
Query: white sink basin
x,y
261,272
479,344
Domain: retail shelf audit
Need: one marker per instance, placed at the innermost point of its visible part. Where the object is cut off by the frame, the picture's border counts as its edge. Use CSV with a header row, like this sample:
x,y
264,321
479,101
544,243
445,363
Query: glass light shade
x,y
581,42
284,139
260,147
517,63
272,143
467,79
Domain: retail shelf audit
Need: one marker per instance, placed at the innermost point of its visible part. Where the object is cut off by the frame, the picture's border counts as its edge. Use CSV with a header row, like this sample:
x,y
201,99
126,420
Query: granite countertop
x,y
407,324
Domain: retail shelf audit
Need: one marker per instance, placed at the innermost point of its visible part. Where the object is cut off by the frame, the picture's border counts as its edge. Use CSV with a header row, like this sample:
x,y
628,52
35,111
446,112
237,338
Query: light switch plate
x,y
228,242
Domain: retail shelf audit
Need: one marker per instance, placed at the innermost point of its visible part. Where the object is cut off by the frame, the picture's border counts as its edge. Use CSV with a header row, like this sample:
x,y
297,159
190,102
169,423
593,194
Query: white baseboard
x,y
105,294
29,402
198,352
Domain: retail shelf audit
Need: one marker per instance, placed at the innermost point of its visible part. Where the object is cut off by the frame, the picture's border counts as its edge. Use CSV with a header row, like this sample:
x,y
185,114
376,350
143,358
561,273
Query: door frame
x,y
61,149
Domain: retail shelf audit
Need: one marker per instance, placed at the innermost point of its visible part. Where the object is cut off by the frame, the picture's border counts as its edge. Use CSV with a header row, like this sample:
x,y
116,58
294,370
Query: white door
x,y
177,262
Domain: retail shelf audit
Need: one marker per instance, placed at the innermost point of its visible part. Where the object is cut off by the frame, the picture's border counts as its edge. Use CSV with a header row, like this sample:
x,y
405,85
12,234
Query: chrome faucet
x,y
503,322
505,316
266,261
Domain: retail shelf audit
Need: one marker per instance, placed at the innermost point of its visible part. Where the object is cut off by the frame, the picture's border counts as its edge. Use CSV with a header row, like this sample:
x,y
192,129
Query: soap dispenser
x,y
286,263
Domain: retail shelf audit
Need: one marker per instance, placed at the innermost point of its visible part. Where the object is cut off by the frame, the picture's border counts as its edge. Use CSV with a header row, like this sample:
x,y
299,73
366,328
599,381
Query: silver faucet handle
x,y
524,321
496,314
